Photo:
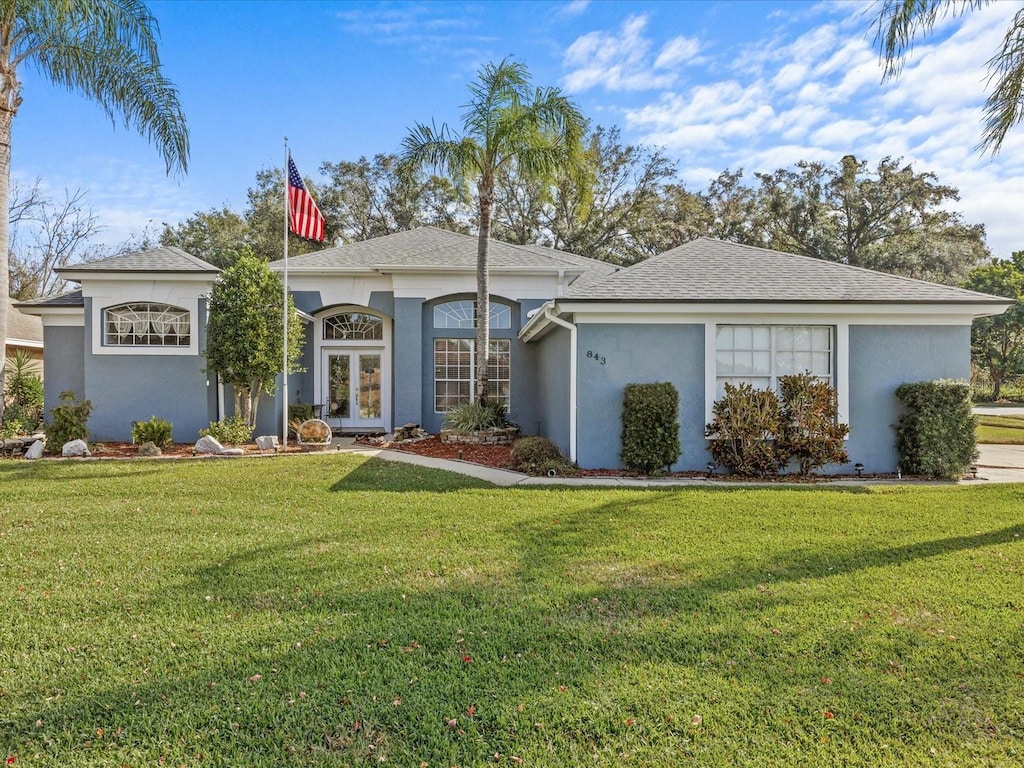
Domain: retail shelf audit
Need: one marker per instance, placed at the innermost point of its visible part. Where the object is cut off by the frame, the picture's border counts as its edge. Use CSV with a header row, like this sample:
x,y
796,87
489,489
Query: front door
x,y
353,388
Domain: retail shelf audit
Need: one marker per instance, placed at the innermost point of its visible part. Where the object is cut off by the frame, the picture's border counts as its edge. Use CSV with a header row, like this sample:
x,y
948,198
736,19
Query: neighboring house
x,y
25,333
390,337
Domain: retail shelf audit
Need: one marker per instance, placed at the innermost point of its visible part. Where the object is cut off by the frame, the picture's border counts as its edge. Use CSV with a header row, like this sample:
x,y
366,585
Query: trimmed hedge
x,y
935,436
650,427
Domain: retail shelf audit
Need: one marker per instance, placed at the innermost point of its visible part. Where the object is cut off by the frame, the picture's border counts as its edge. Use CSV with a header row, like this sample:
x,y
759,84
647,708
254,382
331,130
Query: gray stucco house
x,y
389,337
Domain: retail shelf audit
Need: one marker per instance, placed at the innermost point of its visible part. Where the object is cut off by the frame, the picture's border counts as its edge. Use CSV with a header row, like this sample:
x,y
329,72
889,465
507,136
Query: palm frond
x,y
1004,107
899,22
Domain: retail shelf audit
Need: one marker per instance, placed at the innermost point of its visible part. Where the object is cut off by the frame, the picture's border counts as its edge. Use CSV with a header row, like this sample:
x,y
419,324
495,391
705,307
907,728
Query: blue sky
x,y
757,85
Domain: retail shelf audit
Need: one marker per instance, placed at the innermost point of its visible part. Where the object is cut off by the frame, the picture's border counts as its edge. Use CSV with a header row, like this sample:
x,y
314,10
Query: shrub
x,y
743,431
811,432
156,431
650,427
299,412
528,454
473,417
22,393
68,421
935,436
231,431
11,427
561,466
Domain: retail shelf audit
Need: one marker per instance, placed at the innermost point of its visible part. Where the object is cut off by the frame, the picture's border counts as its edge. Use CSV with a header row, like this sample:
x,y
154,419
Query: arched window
x,y
353,326
462,314
146,324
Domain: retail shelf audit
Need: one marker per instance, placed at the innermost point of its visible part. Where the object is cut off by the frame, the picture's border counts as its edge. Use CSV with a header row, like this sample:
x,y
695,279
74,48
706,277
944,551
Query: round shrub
x,y
529,453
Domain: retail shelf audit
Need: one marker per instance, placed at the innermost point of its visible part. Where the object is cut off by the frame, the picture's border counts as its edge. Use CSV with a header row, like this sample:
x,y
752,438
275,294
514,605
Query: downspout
x,y
552,317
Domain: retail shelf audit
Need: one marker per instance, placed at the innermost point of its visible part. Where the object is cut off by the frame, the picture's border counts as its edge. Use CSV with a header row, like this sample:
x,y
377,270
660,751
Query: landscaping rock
x,y
207,444
267,443
75,448
150,449
35,451
232,452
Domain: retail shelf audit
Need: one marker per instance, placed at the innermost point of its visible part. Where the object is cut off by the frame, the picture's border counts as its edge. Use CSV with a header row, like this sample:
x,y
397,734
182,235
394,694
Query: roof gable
x,y
707,270
21,326
164,259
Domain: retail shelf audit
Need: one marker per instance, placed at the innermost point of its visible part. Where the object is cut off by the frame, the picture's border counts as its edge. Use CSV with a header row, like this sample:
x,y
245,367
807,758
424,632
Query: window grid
x,y
146,324
760,354
354,326
462,315
455,372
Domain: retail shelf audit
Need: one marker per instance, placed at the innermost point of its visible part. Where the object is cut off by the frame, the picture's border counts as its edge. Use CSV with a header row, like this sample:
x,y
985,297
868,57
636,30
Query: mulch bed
x,y
488,455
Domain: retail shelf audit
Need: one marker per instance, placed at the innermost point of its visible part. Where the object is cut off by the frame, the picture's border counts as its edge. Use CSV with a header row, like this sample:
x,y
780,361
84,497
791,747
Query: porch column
x,y
407,361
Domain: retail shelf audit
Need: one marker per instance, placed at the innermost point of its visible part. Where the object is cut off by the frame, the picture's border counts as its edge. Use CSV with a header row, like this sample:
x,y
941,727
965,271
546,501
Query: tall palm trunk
x,y
485,193
9,101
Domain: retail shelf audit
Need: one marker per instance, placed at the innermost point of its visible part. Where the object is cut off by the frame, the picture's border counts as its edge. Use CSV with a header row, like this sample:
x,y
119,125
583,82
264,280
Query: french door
x,y
353,388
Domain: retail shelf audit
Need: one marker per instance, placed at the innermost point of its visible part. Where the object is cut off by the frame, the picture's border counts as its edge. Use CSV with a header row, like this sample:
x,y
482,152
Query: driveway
x,y
1001,462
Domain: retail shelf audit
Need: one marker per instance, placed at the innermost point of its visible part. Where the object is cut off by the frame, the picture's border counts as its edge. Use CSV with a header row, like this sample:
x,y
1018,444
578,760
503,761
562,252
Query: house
x,y
24,333
390,337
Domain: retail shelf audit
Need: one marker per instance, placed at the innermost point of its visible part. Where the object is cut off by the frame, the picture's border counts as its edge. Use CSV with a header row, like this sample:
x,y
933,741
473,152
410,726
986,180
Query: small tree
x,y
997,343
245,335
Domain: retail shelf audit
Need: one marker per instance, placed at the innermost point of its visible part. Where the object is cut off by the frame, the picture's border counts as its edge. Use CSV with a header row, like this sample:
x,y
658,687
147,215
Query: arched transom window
x,y
146,324
461,314
354,326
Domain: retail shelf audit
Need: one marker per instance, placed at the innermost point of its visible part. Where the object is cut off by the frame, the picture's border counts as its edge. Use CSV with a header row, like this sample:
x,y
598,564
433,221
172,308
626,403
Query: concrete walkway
x,y
997,465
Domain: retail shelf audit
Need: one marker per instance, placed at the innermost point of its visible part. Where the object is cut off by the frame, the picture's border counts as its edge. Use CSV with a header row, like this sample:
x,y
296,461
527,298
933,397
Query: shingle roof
x,y
707,270
438,248
165,259
69,299
21,326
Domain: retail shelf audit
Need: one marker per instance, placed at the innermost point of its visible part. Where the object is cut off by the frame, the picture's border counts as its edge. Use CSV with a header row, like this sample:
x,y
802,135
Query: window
x,y
146,325
462,314
354,326
759,354
455,372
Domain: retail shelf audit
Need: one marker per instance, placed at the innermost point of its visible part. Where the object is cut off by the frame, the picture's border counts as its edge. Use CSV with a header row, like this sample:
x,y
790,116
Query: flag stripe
x,y
305,218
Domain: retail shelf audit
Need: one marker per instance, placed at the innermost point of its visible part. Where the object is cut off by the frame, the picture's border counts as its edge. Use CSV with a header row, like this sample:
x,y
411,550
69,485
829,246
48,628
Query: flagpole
x,y
284,370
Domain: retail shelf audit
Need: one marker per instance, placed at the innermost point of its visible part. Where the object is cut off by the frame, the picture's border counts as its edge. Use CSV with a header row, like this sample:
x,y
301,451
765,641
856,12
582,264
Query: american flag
x,y
305,218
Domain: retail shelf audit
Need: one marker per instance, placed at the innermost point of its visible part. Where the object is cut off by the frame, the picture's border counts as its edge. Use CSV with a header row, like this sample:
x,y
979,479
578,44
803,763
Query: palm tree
x,y
103,49
900,21
505,123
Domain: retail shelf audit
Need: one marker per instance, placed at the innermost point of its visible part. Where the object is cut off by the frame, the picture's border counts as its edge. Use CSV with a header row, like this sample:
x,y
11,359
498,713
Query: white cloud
x,y
574,8
622,61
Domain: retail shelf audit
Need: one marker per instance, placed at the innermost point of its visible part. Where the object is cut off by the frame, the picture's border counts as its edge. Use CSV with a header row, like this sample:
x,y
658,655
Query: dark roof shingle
x,y
164,259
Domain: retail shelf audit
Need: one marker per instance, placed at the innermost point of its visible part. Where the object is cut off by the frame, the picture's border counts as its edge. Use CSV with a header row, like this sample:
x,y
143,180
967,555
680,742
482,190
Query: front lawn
x,y
341,611
1004,430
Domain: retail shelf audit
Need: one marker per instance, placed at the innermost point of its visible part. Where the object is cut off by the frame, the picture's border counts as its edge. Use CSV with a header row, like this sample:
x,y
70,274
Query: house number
x,y
597,357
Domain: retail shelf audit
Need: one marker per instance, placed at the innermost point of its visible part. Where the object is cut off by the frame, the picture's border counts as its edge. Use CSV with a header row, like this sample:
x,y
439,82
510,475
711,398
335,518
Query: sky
x,y
716,85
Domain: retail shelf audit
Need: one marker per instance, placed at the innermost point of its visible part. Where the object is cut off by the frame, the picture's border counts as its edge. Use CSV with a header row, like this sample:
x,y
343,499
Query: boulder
x,y
150,449
207,444
75,448
267,443
35,451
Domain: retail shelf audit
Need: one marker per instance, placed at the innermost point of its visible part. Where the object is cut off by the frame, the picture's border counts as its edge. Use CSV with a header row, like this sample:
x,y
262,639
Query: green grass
x,y
339,611
1003,430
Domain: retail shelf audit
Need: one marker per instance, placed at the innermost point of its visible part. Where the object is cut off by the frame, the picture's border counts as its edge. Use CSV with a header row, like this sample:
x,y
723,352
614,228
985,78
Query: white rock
x,y
267,442
207,444
75,448
35,451
232,452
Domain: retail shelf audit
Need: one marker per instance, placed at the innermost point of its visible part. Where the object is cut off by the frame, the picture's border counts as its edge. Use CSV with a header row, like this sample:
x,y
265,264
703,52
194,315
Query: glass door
x,y
354,388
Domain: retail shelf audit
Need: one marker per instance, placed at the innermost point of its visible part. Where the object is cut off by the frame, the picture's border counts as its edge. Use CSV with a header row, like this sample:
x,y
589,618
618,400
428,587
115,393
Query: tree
x,y
997,343
892,219
265,218
245,334
103,49
504,123
215,236
899,22
46,235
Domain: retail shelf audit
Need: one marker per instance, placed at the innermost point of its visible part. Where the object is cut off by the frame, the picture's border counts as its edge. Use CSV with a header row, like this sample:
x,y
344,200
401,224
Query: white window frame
x,y
773,353
146,312
460,314
840,357
471,343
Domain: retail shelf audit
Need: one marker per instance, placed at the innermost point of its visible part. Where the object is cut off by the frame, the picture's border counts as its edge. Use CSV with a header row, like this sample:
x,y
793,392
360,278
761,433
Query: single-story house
x,y
24,333
390,338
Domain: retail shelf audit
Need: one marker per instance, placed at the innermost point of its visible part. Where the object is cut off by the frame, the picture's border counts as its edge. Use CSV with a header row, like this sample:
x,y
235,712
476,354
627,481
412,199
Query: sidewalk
x,y
998,464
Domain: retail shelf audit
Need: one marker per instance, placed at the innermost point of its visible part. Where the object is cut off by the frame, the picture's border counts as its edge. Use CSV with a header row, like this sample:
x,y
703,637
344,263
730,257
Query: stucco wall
x,y
408,361
63,355
882,358
135,386
610,356
551,354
